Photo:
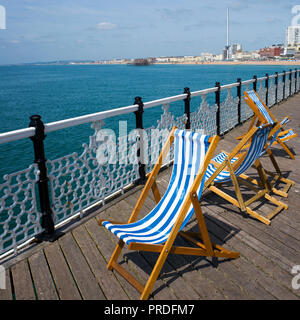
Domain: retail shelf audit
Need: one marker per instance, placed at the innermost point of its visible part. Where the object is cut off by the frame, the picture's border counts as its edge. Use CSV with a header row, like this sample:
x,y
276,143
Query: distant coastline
x,y
224,63
267,62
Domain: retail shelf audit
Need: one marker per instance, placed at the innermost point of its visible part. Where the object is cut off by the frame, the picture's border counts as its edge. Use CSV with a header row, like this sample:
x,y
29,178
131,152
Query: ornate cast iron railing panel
x,y
228,112
204,118
79,181
20,216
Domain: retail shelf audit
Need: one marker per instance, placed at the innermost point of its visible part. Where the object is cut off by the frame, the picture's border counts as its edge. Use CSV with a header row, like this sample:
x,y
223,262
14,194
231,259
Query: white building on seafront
x,y
293,36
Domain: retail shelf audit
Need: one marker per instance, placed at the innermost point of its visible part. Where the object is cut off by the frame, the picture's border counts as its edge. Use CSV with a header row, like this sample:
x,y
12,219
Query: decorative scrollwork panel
x,y
287,88
20,215
246,111
106,165
156,136
262,90
280,90
228,112
204,118
271,93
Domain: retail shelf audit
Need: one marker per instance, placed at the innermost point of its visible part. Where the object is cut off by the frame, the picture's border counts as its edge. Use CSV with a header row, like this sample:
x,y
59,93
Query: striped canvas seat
x,y
256,149
189,153
261,107
263,110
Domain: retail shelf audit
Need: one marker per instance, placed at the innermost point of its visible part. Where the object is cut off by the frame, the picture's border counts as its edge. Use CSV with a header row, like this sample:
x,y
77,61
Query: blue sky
x,y
46,30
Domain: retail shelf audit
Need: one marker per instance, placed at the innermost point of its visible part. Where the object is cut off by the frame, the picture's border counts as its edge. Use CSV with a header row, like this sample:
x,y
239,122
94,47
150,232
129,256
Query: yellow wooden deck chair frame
x,y
263,115
188,205
231,166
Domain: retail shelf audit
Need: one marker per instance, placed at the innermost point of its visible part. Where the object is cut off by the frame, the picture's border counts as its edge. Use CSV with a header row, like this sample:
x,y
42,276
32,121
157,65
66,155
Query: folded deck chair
x,y
277,176
232,166
263,115
157,231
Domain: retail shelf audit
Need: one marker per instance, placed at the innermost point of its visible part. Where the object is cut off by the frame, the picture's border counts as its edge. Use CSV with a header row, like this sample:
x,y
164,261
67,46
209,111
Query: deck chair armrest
x,y
285,120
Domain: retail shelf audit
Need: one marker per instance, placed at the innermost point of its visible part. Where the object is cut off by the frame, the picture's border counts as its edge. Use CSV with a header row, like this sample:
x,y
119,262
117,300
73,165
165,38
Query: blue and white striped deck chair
x,y
157,231
265,116
232,166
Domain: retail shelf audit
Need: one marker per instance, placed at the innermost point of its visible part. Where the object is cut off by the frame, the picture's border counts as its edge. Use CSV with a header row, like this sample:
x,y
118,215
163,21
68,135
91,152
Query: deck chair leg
x,y
274,162
236,186
203,230
115,255
262,176
236,203
257,216
155,273
278,176
285,147
202,225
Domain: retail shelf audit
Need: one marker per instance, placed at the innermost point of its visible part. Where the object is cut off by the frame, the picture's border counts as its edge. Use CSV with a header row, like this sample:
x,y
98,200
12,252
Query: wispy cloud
x,y
106,26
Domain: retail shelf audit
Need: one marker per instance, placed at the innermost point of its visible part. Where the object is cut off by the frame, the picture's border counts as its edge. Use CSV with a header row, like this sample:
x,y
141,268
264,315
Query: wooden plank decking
x,y
74,266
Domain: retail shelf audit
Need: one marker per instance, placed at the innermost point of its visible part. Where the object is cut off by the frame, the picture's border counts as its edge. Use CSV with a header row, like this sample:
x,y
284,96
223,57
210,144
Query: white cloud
x,y
106,26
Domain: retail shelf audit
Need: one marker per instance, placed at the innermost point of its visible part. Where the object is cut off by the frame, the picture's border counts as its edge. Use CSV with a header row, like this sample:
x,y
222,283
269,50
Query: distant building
x,y
207,56
255,55
243,56
224,54
270,52
162,59
229,51
234,48
292,36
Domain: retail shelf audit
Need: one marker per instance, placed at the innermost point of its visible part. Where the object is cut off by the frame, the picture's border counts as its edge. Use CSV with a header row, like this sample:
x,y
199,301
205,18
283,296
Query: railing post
x,y
187,107
218,103
295,81
298,74
283,88
139,127
255,83
267,89
290,79
276,87
239,95
38,144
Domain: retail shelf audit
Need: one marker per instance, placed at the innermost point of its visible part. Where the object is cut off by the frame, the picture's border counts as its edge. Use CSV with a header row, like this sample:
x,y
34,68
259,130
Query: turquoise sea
x,y
60,92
